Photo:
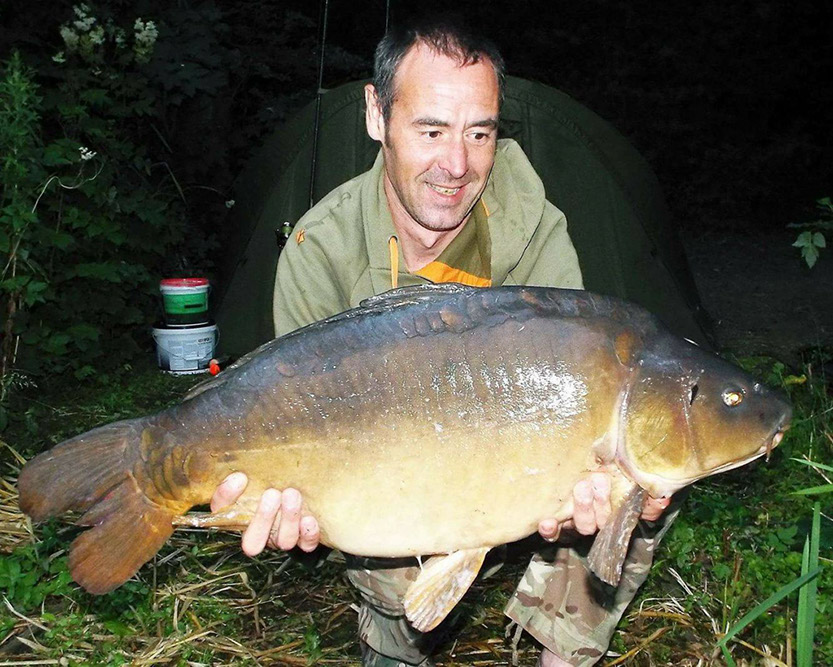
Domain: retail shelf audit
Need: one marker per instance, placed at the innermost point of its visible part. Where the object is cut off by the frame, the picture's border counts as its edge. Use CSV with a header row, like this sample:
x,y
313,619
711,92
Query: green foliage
x,y
807,585
91,214
117,152
30,575
80,248
812,240
312,644
808,594
21,284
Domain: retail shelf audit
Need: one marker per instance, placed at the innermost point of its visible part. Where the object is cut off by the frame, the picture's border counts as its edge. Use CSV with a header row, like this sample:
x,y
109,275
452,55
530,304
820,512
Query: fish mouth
x,y
775,440
770,443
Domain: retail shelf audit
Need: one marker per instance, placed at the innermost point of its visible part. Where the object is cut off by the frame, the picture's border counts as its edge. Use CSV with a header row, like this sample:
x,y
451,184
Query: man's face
x,y
439,143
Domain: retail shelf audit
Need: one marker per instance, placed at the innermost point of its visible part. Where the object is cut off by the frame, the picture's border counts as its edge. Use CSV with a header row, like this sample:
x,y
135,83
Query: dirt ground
x,y
760,294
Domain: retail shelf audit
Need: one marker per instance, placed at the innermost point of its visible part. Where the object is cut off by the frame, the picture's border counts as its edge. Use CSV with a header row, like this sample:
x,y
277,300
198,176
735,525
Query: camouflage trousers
x,y
558,601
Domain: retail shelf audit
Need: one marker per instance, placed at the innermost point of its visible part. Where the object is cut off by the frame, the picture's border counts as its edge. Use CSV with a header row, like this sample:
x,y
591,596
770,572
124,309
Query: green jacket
x,y
338,253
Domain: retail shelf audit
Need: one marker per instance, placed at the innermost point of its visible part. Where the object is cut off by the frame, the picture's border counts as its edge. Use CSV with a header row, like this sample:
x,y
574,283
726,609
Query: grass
x,y
738,542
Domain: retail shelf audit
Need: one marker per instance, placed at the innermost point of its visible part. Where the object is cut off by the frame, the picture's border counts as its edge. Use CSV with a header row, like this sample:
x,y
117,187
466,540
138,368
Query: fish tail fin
x,y
93,473
128,530
76,473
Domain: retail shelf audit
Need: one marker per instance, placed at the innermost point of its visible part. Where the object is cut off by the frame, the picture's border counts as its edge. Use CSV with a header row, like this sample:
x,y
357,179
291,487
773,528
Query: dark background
x,y
729,101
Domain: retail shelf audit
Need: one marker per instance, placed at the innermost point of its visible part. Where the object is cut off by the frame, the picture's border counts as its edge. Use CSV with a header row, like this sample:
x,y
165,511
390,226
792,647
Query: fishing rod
x,y
322,40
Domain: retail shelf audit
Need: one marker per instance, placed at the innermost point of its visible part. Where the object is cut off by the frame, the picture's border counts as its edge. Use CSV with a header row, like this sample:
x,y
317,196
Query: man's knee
x,y
388,641
381,588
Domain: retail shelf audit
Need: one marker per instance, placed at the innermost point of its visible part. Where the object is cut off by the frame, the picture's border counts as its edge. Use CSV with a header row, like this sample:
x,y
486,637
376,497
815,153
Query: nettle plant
x,y
89,217
812,240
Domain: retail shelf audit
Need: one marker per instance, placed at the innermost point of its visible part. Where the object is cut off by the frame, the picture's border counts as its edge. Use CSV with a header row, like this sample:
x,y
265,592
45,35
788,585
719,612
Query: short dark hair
x,y
446,36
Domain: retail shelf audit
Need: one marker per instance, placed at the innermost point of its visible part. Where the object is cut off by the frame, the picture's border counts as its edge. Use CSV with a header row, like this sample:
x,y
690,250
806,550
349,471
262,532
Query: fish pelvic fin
x,y
92,473
234,517
440,586
128,530
610,548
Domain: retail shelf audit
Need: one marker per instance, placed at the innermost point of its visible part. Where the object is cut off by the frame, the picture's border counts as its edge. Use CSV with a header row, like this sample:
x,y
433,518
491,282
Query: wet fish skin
x,y
429,420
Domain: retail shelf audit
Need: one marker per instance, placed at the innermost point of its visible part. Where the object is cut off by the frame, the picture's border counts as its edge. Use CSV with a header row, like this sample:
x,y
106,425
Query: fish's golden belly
x,y
423,493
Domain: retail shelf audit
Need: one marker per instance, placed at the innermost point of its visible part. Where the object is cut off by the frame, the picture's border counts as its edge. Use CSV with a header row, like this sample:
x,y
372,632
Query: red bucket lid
x,y
183,282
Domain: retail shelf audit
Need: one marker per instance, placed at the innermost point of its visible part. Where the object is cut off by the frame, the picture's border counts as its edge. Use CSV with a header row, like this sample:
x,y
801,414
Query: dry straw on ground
x,y
15,528
273,611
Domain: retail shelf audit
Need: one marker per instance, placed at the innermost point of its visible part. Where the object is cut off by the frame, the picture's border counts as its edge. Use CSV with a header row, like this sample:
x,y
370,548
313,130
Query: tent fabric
x,y
617,217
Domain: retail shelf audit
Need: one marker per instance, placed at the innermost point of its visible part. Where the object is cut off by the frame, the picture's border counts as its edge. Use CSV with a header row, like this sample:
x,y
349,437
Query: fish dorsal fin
x,y
217,380
441,584
413,294
607,555
388,301
379,303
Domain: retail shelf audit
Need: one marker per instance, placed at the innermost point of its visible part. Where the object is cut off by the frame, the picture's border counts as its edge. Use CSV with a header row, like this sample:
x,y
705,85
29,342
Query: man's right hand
x,y
277,523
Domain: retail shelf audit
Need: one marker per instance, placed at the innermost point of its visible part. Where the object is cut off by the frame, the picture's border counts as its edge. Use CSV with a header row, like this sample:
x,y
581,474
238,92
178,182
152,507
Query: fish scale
x,y
430,420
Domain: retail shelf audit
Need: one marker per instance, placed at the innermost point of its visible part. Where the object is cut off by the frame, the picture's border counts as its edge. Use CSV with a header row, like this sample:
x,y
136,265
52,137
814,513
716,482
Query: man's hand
x,y
277,523
591,509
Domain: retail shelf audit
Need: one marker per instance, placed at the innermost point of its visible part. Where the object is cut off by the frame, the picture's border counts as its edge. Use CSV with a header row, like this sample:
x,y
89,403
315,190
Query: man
x,y
445,201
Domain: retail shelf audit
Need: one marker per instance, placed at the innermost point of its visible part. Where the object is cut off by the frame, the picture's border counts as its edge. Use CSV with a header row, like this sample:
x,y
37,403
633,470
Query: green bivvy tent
x,y
617,218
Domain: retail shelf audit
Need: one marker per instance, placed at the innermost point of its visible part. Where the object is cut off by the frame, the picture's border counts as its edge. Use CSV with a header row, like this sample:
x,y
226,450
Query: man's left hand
x,y
591,509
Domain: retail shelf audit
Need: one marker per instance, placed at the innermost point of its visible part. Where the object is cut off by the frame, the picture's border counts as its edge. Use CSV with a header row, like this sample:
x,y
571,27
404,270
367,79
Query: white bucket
x,y
184,351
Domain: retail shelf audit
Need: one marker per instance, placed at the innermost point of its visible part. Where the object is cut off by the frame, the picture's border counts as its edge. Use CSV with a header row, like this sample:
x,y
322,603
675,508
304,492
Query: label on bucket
x,y
182,304
182,350
184,301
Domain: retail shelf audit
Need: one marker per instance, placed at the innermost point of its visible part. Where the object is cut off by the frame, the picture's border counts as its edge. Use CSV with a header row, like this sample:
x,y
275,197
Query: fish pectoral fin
x,y
610,548
233,517
441,584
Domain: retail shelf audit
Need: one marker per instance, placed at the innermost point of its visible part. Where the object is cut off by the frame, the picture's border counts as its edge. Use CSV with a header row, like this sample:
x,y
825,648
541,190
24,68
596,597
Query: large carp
x,y
430,420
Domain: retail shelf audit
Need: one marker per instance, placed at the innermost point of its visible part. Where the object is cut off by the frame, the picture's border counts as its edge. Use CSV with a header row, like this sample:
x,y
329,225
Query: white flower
x,y
86,153
145,34
84,25
70,37
97,35
229,203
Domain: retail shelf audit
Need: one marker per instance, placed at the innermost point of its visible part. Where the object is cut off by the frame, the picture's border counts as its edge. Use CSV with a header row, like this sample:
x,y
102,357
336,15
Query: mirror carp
x,y
436,419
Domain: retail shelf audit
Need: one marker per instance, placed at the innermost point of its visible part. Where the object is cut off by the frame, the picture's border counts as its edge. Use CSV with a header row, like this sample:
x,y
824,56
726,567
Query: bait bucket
x,y
184,301
185,351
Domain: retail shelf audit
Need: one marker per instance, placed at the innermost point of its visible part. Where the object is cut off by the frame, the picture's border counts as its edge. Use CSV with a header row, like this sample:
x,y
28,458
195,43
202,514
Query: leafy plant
x,y
29,575
312,644
812,240
90,216
20,284
807,586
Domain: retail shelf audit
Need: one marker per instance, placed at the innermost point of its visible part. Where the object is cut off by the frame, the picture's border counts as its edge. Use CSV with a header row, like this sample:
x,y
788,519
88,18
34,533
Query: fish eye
x,y
732,397
695,389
